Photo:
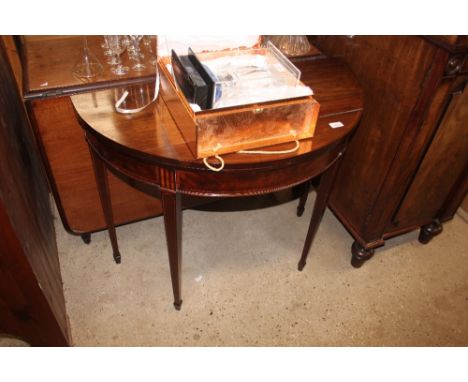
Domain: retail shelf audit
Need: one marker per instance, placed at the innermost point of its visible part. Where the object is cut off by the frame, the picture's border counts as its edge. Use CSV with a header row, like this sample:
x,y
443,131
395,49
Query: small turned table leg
x,y
428,231
86,237
360,254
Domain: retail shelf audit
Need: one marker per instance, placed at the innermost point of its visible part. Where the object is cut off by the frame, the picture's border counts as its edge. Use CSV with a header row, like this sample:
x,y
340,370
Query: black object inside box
x,y
193,79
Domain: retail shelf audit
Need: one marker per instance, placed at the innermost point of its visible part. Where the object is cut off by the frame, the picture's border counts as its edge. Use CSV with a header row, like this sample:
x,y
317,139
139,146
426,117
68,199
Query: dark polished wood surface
x,y
147,151
154,135
390,90
452,43
70,170
58,132
446,159
32,304
48,63
404,168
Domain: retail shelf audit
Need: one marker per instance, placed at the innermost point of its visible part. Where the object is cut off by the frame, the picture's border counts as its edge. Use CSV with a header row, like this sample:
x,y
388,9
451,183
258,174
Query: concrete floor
x,y
241,286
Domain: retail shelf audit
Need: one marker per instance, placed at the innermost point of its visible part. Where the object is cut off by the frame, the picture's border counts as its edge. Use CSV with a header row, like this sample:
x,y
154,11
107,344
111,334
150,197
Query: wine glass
x,y
117,46
135,39
151,45
130,48
105,47
111,60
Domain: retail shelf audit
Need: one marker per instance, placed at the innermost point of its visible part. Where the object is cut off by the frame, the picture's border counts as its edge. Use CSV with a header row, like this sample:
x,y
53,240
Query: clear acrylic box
x,y
259,101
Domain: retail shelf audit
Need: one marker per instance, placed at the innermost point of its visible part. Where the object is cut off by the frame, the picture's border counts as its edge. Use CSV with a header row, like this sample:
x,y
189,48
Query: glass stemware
x,y
105,47
130,48
135,39
111,60
291,45
117,46
151,45
88,66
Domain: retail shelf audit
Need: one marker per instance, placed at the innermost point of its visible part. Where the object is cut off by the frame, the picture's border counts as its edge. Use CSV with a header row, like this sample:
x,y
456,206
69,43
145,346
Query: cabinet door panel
x,y
443,165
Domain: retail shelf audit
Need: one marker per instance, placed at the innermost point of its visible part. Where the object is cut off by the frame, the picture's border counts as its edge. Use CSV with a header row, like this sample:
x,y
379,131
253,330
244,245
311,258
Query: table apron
x,y
254,182
152,177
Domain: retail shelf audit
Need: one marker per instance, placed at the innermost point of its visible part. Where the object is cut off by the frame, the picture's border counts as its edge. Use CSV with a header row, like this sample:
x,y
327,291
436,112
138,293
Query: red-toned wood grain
x,y
32,303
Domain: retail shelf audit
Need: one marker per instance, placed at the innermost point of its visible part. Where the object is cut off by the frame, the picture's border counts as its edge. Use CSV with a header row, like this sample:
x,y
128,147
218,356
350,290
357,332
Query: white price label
x,y
335,125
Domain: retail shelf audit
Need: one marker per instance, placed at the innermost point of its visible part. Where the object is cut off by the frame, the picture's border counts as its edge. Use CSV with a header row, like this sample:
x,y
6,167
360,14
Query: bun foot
x,y
177,305
429,231
86,237
117,257
301,265
360,254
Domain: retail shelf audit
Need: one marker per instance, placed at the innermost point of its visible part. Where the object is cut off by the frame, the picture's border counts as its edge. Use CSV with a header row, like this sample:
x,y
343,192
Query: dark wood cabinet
x,y
32,304
406,166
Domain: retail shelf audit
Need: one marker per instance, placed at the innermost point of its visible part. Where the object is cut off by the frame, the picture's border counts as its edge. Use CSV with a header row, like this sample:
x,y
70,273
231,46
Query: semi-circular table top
x,y
152,134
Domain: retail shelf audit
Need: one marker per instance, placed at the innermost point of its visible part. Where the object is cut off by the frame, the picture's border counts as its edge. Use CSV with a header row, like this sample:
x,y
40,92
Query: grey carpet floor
x,y
241,286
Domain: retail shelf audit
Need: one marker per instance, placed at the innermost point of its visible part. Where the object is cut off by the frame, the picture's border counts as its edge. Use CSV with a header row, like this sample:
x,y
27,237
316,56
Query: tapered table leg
x,y
171,203
305,188
102,182
321,200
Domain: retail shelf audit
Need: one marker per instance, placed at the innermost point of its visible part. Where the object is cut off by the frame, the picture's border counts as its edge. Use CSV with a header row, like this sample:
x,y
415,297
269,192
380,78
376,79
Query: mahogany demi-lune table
x,y
147,151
